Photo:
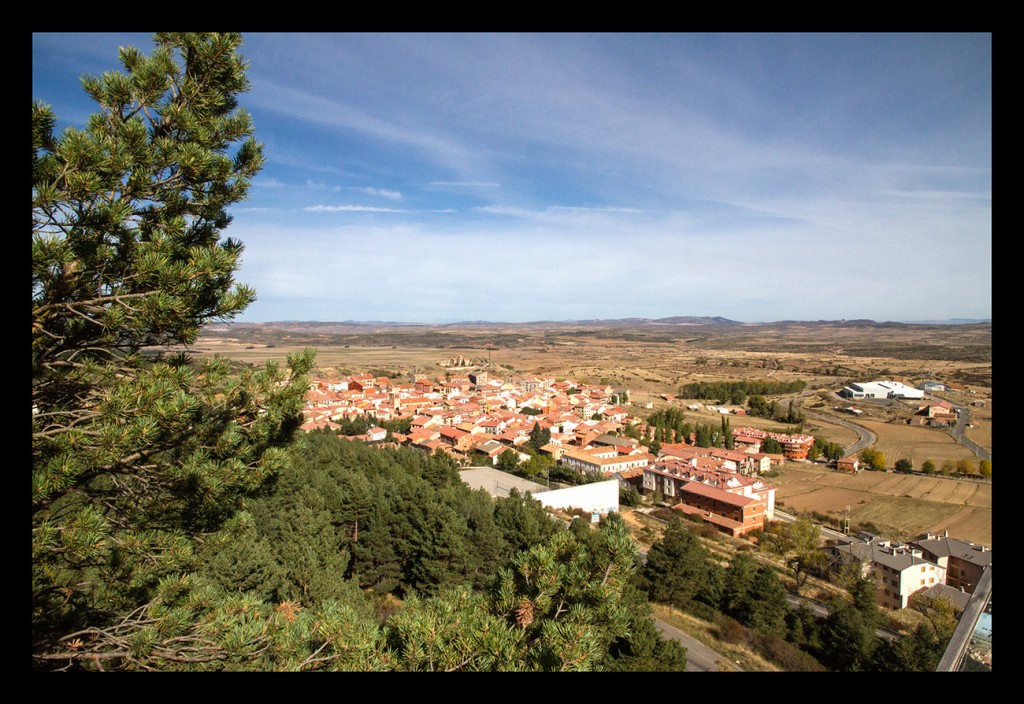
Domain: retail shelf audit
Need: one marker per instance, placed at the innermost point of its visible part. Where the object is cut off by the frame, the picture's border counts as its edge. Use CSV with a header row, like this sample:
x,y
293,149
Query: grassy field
x,y
903,505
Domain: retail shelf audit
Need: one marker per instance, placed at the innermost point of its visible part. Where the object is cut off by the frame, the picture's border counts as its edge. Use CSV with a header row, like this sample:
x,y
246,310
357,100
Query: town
x,y
585,428
589,428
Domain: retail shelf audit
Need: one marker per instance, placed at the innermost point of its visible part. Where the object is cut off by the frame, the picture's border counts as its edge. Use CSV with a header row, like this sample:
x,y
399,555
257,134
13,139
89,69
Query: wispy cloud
x,y
383,192
466,184
368,209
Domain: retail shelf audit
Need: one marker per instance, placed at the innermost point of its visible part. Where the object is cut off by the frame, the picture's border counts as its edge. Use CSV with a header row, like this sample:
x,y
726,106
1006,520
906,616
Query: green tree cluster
x,y
762,407
136,450
669,425
539,436
736,391
824,448
799,544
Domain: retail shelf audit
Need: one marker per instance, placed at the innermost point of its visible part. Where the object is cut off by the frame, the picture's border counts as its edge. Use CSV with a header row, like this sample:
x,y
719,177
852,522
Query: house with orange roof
x,y
423,386
318,425
848,464
746,442
602,462
760,464
375,434
361,382
425,421
730,513
424,435
734,461
631,478
794,447
430,446
457,439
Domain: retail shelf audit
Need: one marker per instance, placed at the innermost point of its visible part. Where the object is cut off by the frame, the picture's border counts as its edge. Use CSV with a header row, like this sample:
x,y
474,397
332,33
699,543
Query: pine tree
x,y
539,436
135,449
677,568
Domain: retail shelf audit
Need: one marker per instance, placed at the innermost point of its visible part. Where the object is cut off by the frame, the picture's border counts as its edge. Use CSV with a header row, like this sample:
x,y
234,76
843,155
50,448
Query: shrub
x,y
703,611
629,497
732,631
665,514
786,655
707,530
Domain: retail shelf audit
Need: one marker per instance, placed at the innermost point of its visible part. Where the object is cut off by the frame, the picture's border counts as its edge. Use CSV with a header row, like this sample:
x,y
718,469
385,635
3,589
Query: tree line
x,y
736,392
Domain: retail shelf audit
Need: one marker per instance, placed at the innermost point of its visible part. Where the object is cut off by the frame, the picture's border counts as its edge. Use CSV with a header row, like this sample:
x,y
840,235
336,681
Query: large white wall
x,y
602,497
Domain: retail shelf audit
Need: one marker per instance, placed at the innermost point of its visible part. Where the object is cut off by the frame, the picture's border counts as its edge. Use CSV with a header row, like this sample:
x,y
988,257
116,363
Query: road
x,y
865,438
699,657
826,532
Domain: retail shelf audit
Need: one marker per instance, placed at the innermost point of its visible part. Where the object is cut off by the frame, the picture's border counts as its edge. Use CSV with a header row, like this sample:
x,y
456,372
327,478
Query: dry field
x,y
981,419
645,359
915,443
904,505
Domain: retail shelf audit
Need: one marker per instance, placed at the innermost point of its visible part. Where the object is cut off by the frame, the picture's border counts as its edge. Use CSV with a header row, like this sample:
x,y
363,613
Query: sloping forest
x,y
415,571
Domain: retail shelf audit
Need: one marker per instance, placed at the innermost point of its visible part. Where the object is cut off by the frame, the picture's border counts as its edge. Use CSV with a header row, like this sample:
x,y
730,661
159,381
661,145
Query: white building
x,y
881,389
899,570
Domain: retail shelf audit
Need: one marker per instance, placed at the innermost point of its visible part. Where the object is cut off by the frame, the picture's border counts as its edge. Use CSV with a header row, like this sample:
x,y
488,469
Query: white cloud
x,y
466,184
384,193
368,209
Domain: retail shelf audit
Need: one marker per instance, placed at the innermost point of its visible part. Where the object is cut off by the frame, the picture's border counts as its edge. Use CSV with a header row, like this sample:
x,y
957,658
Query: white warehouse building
x,y
881,389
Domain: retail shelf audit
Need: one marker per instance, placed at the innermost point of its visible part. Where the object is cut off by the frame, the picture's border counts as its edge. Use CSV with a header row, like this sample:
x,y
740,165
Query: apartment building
x,y
899,570
963,560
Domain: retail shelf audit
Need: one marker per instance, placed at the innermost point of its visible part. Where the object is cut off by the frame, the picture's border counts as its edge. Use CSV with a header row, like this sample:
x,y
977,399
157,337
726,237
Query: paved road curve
x,y
865,438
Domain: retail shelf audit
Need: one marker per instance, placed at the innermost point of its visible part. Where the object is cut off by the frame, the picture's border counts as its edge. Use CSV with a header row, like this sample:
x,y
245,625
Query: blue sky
x,y
522,177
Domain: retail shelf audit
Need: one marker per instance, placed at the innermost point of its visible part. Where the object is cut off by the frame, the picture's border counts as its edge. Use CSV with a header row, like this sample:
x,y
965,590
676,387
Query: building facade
x,y
963,560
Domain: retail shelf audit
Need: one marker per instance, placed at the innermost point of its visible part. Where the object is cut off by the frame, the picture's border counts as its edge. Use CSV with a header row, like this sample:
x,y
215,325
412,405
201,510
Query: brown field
x,y
981,419
915,443
649,360
905,505
643,358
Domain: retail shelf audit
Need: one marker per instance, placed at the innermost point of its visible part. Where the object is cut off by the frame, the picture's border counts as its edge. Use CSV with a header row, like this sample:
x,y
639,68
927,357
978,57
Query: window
x,y
922,568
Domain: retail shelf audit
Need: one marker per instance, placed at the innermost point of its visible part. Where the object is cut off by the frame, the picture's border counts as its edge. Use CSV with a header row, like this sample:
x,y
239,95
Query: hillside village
x,y
481,416
486,416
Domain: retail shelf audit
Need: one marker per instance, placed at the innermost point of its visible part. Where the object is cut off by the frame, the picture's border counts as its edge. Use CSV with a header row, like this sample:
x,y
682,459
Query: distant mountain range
x,y
604,322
